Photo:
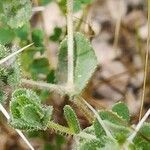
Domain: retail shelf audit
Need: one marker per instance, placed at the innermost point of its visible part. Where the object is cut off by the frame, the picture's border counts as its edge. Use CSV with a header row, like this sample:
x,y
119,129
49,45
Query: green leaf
x,y
23,32
120,133
85,62
104,143
142,140
122,110
31,114
56,35
27,56
15,13
116,125
99,131
80,4
14,77
27,112
51,77
6,35
44,2
113,118
72,119
39,66
38,37
85,1
9,71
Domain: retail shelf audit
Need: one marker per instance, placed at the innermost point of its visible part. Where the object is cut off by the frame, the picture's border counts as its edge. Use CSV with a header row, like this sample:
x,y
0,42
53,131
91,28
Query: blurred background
x,y
118,32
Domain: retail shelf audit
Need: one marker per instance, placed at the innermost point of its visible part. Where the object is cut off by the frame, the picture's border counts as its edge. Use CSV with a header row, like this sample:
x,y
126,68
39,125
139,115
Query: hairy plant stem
x,y
146,64
70,44
14,54
3,110
51,87
60,128
66,130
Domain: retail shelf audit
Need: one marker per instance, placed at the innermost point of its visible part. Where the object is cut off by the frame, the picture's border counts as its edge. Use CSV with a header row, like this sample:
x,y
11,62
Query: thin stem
x,y
38,8
58,127
66,130
146,64
3,110
99,119
70,42
48,86
14,54
131,137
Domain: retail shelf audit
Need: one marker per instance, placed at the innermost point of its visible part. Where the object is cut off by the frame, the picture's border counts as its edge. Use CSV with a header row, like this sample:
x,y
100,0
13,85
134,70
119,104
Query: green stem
x,y
60,128
68,131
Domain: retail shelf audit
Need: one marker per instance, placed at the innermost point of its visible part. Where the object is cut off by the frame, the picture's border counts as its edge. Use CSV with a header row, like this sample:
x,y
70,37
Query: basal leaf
x,y
85,62
122,110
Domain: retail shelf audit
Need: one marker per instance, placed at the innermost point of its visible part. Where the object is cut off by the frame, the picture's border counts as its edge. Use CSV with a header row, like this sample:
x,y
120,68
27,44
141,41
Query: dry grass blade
x,y
14,54
131,137
146,64
99,119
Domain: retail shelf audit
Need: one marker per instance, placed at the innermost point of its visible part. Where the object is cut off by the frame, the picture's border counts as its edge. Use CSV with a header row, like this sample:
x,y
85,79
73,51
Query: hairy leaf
x,y
142,140
85,62
6,35
27,112
122,110
113,118
72,119
15,13
99,131
103,143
